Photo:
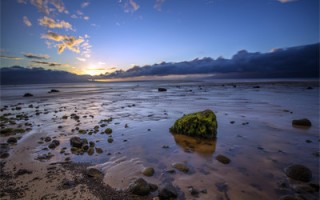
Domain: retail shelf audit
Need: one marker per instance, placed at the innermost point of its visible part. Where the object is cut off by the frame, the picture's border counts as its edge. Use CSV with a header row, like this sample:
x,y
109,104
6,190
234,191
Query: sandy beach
x,y
255,133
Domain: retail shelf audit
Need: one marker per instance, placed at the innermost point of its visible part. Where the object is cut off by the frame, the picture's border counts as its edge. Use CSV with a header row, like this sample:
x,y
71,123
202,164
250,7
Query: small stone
x,y
4,155
28,95
299,172
108,131
223,159
181,167
52,145
99,150
94,173
193,191
148,171
301,122
91,144
12,140
162,89
140,187
168,192
47,139
76,142
110,140
90,151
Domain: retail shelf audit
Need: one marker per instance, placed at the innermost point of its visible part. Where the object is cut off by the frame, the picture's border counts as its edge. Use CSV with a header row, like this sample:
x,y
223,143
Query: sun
x,y
94,70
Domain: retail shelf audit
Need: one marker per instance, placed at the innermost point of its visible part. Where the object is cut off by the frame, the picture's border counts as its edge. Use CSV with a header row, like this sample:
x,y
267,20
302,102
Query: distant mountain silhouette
x,y
21,75
293,62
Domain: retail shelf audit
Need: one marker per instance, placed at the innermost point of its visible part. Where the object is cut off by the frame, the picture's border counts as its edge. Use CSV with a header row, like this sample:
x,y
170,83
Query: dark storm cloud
x,y
290,62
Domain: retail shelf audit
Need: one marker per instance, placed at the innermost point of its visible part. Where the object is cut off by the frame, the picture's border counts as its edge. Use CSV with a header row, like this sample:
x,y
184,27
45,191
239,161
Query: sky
x,y
99,36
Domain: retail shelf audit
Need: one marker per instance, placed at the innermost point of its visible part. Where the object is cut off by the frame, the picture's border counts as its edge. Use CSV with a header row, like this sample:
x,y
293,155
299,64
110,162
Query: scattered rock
x,y
148,171
181,167
168,192
301,122
12,140
90,151
99,150
94,173
4,155
53,90
299,172
140,187
47,139
28,95
223,159
194,192
108,131
110,140
23,172
76,142
198,124
162,89
256,87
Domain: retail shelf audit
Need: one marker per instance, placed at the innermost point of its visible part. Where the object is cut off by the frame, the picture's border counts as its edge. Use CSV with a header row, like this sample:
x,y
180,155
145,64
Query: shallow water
x,y
260,143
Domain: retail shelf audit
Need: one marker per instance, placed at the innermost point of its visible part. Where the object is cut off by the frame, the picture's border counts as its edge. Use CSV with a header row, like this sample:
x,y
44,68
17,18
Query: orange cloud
x,y
51,23
70,42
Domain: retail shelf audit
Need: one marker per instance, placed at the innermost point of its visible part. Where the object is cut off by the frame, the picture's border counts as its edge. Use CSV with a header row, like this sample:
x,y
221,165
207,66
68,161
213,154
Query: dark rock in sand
x,y
12,140
53,90
76,142
198,124
90,151
223,159
108,131
99,150
4,155
299,173
110,140
194,192
94,173
148,171
91,144
162,89
47,139
28,95
23,172
85,147
256,87
181,167
140,187
168,192
301,122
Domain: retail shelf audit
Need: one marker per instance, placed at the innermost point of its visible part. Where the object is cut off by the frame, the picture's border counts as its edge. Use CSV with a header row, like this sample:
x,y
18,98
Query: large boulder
x,y
199,124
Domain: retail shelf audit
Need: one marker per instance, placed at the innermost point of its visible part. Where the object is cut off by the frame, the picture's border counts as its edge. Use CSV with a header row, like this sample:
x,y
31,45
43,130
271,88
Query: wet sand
x,y
254,132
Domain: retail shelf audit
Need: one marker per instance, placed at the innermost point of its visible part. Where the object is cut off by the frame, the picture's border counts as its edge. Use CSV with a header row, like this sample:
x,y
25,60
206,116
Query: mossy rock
x,y
199,124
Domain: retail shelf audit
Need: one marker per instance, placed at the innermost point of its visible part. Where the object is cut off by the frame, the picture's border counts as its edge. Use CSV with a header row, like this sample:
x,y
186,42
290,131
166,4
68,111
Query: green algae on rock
x,y
198,124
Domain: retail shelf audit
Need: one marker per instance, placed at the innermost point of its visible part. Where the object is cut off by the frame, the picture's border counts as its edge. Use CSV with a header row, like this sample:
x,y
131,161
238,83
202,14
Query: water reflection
x,y
204,147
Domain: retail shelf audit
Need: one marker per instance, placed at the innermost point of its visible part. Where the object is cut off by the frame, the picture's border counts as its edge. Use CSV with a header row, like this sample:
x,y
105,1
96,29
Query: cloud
x,y
34,56
85,4
10,57
21,75
86,18
300,61
51,23
129,5
50,64
70,42
26,21
286,1
47,6
81,59
158,4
